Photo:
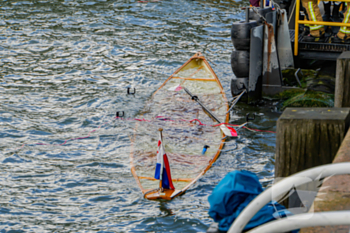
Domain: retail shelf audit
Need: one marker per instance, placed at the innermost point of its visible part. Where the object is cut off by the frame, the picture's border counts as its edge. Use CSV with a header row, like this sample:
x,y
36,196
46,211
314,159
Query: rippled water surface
x,y
65,67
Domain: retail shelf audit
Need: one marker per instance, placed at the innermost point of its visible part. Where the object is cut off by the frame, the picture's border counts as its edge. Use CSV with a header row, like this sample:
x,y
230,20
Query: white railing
x,y
283,187
331,218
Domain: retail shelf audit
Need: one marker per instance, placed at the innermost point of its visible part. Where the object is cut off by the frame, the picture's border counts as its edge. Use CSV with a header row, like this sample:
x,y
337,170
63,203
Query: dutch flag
x,y
163,168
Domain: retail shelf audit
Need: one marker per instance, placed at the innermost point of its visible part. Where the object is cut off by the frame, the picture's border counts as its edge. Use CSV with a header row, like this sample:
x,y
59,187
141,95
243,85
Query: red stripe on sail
x,y
178,88
167,168
159,142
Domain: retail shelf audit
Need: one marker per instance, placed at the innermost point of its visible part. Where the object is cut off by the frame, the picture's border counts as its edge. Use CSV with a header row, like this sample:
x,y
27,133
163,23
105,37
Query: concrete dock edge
x,y
334,193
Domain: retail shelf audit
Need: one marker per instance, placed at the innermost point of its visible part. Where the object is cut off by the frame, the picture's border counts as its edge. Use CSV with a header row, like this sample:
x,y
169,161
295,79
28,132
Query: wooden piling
x,y
308,137
342,81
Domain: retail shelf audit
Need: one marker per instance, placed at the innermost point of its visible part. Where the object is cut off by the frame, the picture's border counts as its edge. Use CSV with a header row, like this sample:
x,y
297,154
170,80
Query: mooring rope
x,y
162,118
70,139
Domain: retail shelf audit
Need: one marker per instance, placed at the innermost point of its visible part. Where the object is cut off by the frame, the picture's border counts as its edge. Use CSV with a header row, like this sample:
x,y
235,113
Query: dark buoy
x,y
131,93
249,118
119,114
240,63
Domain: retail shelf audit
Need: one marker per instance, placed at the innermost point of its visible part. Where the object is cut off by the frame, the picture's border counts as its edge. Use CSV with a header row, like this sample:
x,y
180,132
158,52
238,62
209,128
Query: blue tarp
x,y
233,193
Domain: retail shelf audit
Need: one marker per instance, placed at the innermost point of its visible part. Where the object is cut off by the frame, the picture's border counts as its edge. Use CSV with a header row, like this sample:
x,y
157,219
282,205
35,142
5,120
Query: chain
x,y
291,15
257,12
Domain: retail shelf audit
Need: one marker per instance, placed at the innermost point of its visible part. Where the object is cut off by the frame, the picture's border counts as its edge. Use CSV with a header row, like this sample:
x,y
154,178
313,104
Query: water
x,y
64,70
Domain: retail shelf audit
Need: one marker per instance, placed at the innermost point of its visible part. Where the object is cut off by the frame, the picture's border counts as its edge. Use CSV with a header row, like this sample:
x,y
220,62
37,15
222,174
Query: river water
x,y
65,67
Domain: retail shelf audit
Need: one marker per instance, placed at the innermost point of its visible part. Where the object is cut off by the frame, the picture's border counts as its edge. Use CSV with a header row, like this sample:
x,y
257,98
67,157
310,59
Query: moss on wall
x,y
310,99
317,90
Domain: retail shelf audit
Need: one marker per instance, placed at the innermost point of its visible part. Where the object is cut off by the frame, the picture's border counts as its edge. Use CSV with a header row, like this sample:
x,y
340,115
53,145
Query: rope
x,y
291,15
212,62
200,123
71,139
162,118
236,99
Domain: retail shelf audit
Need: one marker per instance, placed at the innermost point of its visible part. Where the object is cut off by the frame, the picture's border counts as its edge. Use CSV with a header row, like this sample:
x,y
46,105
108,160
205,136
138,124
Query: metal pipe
x,y
247,15
284,186
195,98
296,76
296,31
323,23
330,218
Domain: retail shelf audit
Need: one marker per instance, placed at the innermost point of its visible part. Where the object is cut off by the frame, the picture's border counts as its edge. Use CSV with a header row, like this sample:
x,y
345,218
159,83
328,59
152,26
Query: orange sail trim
x,y
198,79
175,180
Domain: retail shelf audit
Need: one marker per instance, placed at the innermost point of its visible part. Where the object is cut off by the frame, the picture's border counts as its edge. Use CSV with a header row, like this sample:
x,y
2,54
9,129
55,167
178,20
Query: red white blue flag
x,y
163,168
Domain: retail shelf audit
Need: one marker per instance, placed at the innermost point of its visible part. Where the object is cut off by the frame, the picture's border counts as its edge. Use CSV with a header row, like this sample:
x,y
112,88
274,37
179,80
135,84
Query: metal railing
x,y
297,22
283,186
329,218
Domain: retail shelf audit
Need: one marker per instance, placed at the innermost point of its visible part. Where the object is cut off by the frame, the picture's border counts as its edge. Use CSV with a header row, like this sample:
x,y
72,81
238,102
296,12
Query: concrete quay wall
x,y
334,193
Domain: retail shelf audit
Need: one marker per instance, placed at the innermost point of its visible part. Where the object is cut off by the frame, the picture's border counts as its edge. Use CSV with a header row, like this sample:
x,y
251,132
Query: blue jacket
x,y
233,193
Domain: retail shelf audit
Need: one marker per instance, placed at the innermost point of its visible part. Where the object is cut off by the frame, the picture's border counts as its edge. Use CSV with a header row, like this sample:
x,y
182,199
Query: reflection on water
x,y
64,70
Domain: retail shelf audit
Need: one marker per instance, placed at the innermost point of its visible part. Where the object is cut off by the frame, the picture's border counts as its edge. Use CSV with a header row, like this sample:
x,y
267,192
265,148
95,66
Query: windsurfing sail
x,y
163,172
176,113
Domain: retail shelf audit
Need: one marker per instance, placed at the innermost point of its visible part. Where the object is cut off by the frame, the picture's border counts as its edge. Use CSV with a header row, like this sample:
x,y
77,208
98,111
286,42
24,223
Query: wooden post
x,y
308,137
342,81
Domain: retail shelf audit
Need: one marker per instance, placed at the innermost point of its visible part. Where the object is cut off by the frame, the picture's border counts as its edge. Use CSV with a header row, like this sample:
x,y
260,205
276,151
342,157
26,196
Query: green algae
x,y
317,90
287,94
310,99
304,76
